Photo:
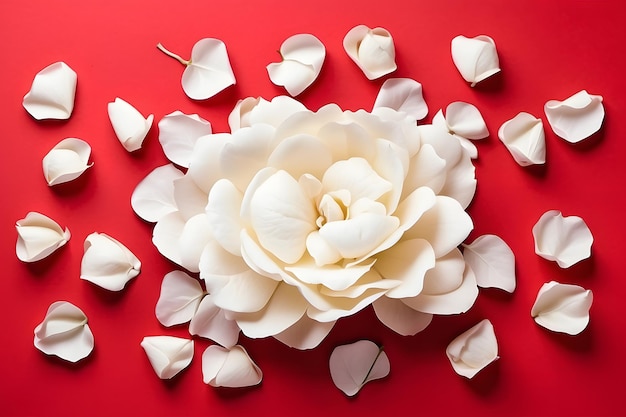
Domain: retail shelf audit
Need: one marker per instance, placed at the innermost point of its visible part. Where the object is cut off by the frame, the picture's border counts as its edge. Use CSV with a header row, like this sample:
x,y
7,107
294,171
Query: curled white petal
x,y
168,355
211,322
240,115
130,126
492,261
108,263
475,58
64,332
38,236
525,138
562,307
403,95
372,50
222,367
179,298
577,117
473,349
178,134
566,240
302,58
355,364
51,95
66,161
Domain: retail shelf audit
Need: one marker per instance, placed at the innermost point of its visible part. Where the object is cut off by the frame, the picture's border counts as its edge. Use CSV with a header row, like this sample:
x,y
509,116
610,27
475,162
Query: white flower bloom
x,y
525,138
355,364
66,161
566,240
178,134
403,95
222,367
38,236
302,58
372,50
474,349
130,126
475,58
64,332
311,217
577,117
51,95
107,263
562,307
493,262
168,355
208,71
464,121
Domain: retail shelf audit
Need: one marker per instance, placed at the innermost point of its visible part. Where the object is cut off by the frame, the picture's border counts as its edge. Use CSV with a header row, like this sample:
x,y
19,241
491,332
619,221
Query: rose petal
x,y
403,95
166,236
301,154
475,58
302,59
232,367
130,126
108,263
66,161
577,117
189,199
204,165
210,321
209,70
51,95
399,317
240,115
524,137
372,50
493,262
178,134
355,364
562,307
566,240
304,334
179,298
38,236
168,355
474,349
465,120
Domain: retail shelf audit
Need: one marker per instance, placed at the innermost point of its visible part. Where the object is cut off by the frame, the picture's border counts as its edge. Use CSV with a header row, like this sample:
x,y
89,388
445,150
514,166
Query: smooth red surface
x,y
548,50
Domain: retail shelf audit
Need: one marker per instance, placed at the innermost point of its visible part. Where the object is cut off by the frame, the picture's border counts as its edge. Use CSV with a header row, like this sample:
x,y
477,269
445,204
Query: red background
x,y
548,50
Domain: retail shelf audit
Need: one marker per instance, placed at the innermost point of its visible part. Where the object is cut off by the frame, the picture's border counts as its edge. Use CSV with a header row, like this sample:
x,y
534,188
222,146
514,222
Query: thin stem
x,y
173,55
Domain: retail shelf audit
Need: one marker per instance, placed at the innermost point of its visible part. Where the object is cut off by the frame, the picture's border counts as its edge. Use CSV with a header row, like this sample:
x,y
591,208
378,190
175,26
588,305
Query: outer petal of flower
x,y
240,115
525,138
493,262
64,332
196,234
303,56
465,120
475,58
566,240
66,161
403,95
372,50
38,236
332,276
209,71
305,334
153,198
130,126
204,166
189,199
562,308
276,111
210,321
473,349
108,263
168,355
426,169
179,298
232,367
577,117
166,236
355,364
246,292
301,154
399,317
51,95
178,134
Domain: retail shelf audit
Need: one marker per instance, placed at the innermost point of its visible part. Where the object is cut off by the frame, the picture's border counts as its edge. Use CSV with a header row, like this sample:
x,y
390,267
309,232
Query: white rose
x,y
312,216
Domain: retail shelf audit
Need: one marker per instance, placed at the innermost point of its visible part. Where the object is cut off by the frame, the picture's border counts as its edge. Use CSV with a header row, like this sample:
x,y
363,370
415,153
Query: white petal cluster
x,y
66,161
372,50
566,240
525,138
130,126
108,263
38,236
475,58
562,307
51,95
577,117
354,365
473,350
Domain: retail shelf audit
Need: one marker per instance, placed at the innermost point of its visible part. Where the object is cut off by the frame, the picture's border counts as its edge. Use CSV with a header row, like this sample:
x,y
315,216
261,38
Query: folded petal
x,y
566,240
51,95
406,261
66,161
130,126
178,134
355,364
240,115
403,95
465,120
399,317
211,322
475,58
372,50
305,334
196,234
246,292
166,236
153,197
525,138
179,298
168,355
38,236
302,59
562,307
208,71
577,117
474,349
493,262
223,367
108,263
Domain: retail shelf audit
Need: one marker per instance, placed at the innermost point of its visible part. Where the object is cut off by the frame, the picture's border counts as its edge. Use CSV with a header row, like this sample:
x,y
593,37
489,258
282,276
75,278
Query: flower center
x,y
333,206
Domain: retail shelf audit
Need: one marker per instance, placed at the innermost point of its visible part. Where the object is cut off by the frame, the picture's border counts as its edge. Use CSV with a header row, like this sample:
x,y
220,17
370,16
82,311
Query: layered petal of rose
x,y
566,240
464,121
399,317
64,332
129,125
108,263
372,50
210,321
208,71
492,261
403,95
355,364
475,58
240,115
153,197
66,161
51,95
562,307
577,117
179,298
525,138
38,236
302,58
473,350
229,367
178,134
168,355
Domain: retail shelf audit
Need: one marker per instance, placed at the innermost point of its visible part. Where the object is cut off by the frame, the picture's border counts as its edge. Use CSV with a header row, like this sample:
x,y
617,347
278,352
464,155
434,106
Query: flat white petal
x,y
577,117
240,115
66,161
108,263
38,236
178,134
168,355
209,70
399,317
233,368
153,197
493,262
166,236
525,138
474,349
64,332
372,50
403,95
51,95
306,333
566,240
465,120
223,215
130,126
303,55
195,235
355,364
246,292
179,298
475,58
189,199
562,307
211,322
